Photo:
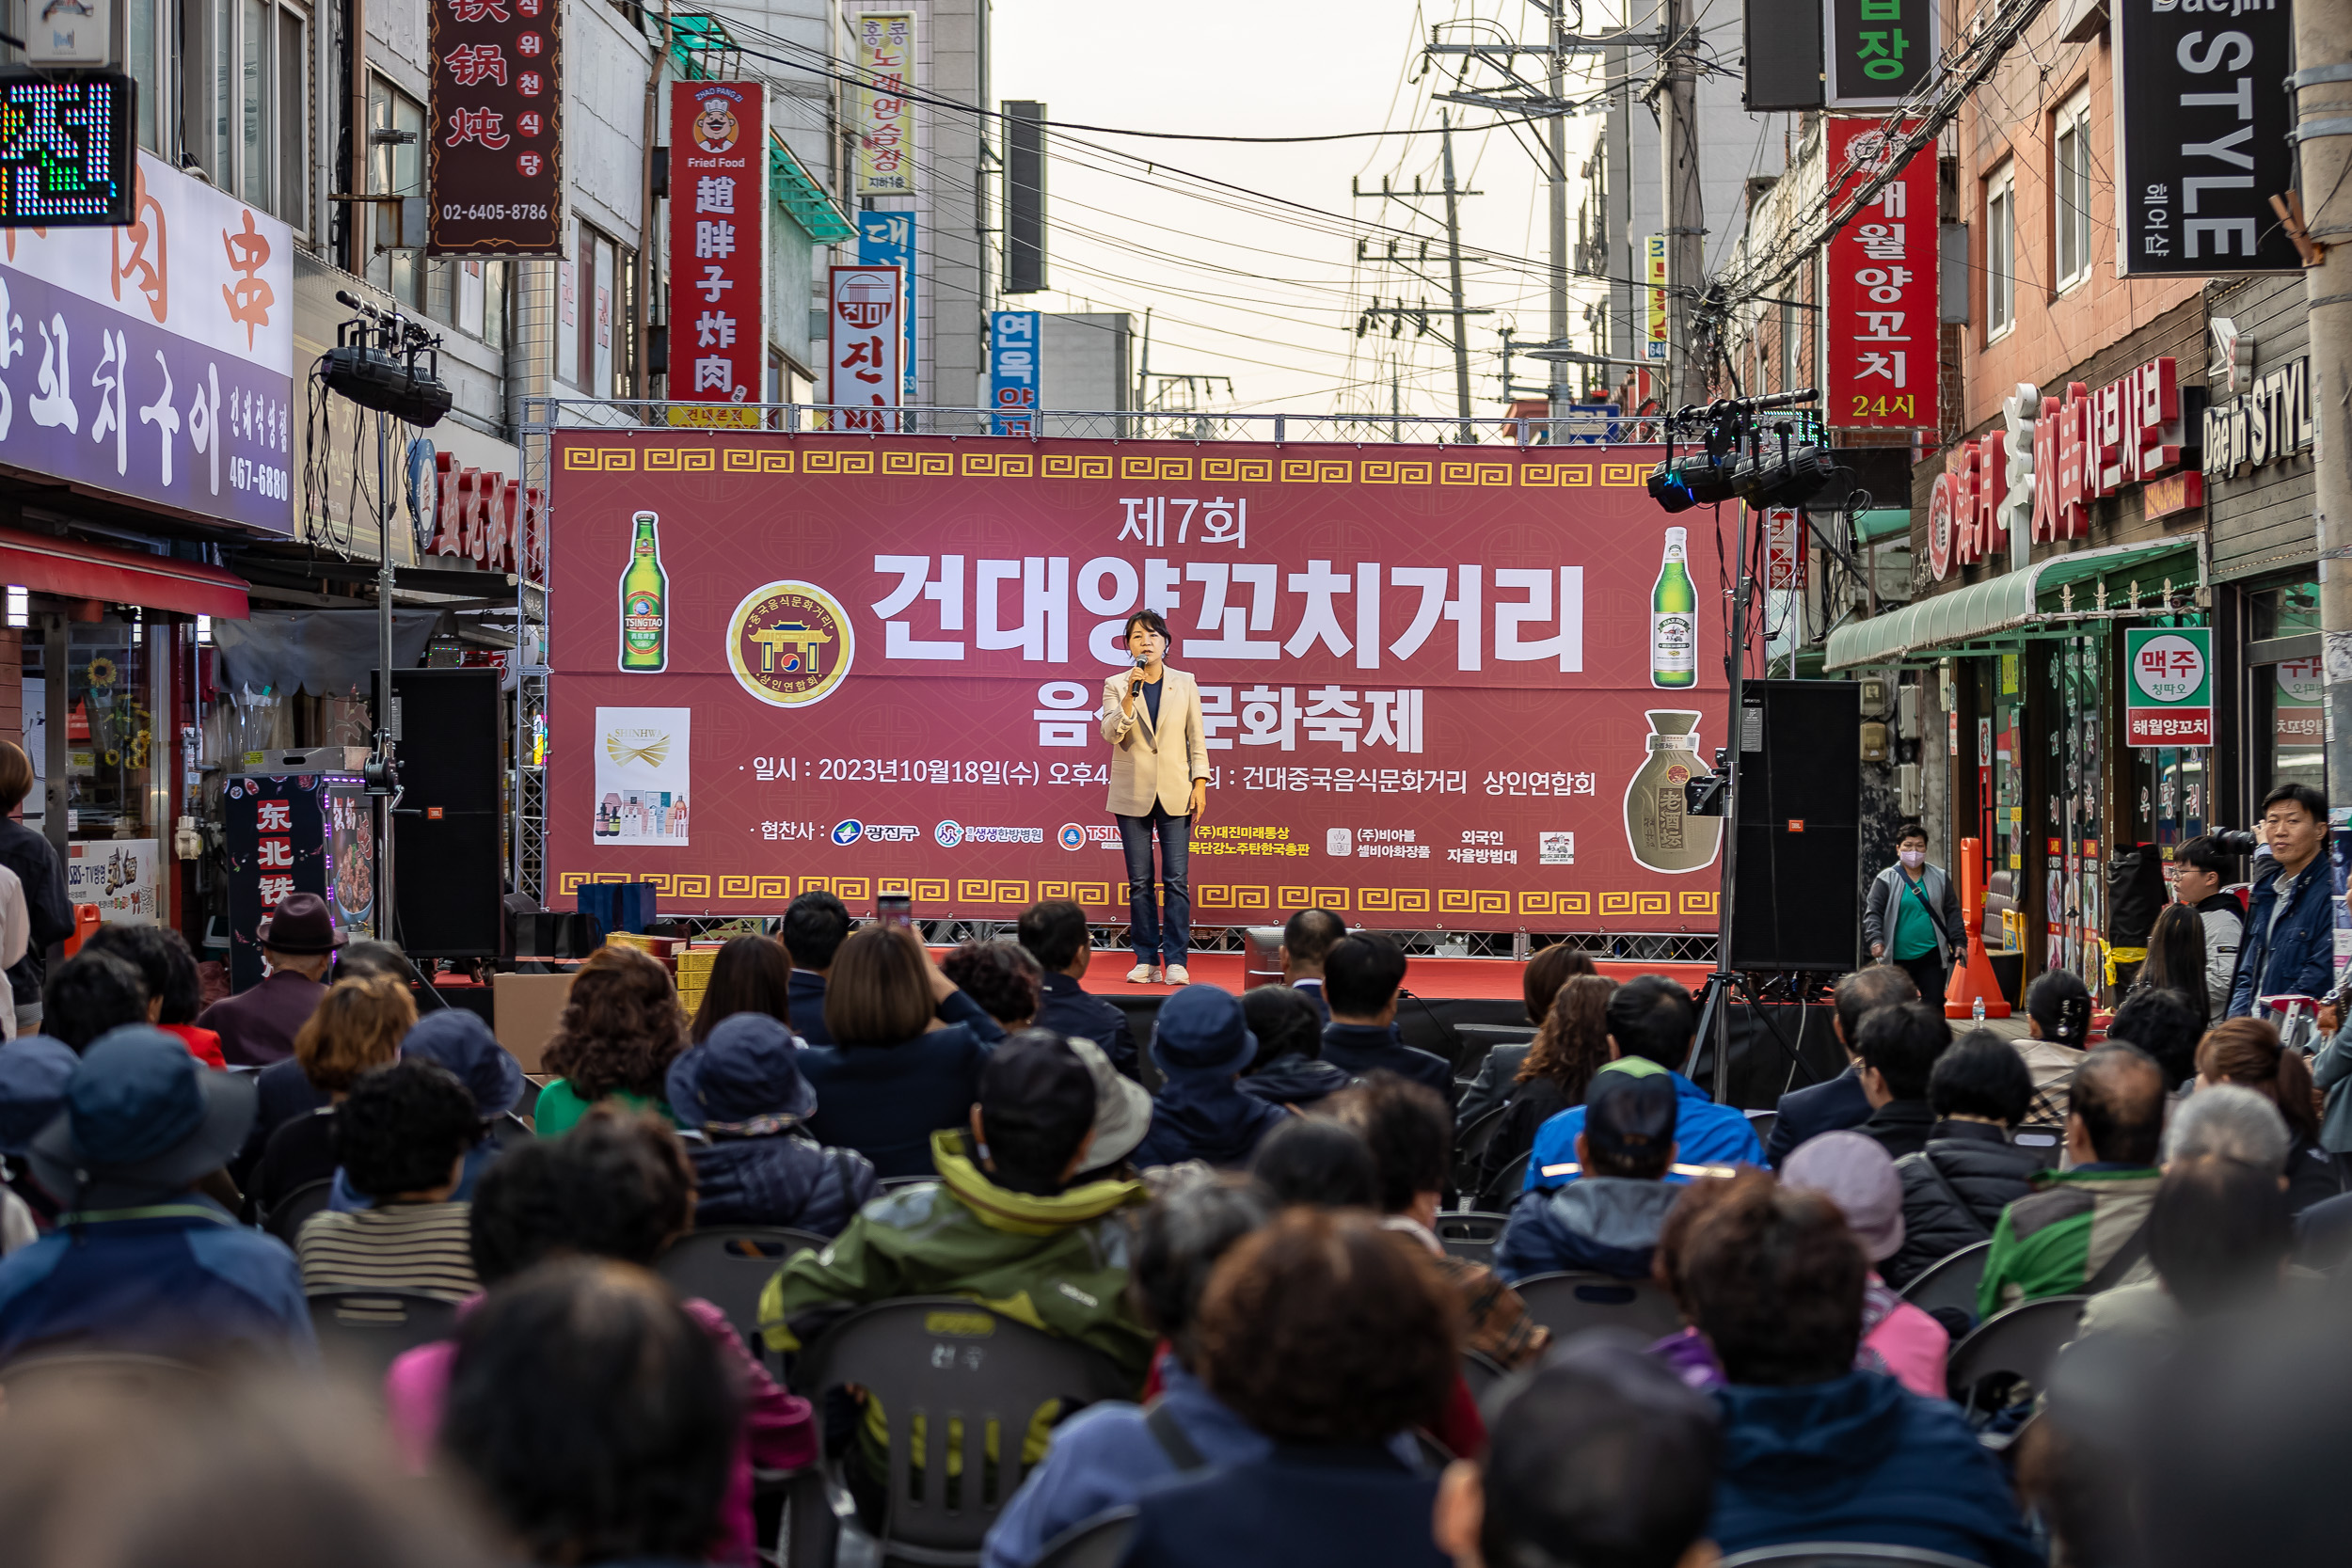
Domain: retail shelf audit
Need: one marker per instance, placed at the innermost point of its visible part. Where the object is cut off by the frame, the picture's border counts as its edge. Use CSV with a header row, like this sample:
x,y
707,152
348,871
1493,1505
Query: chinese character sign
x,y
1654,262
2201,139
863,344
2169,697
1882,309
1012,373
156,360
65,143
887,239
1876,52
718,239
894,649
495,134
886,116
1783,549
2093,443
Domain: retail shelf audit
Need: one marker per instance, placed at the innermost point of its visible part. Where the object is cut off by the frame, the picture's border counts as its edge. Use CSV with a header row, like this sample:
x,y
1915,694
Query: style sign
x,y
718,245
1012,373
1875,53
1882,324
2168,696
887,239
886,116
2202,138
862,345
496,132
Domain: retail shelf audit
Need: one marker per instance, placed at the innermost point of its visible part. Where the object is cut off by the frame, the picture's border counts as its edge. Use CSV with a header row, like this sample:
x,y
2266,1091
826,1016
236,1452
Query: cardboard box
x,y
527,1006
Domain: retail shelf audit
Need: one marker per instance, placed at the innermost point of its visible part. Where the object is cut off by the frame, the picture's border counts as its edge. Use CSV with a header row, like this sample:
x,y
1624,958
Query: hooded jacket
x,y
1361,1048
2054,1241
1706,1133
1056,1263
1206,1115
740,1107
1293,1079
1981,1173
1859,1458
2299,957
1604,1223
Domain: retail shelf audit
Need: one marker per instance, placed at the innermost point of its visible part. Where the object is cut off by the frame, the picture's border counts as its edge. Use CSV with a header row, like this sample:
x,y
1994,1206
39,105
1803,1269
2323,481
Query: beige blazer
x,y
1155,761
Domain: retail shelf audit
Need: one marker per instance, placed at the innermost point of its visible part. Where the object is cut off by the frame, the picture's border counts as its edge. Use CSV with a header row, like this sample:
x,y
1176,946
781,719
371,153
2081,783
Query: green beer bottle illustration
x,y
645,600
1673,619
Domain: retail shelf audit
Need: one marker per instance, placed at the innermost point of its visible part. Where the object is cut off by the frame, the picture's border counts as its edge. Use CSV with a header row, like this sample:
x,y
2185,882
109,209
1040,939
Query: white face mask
x,y
1912,856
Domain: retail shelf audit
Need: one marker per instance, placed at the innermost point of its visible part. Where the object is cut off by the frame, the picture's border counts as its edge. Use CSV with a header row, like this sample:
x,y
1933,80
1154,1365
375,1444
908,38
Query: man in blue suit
x,y
1819,1108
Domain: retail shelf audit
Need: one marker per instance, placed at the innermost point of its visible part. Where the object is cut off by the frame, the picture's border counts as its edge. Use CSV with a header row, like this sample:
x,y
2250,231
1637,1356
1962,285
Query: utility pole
x,y
2323,39
1676,85
1400,312
1556,395
1454,270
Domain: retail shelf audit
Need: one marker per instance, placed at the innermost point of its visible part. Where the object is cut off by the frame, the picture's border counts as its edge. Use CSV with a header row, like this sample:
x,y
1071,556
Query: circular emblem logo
x,y
790,643
715,125
1677,773
847,831
1070,836
948,835
2172,669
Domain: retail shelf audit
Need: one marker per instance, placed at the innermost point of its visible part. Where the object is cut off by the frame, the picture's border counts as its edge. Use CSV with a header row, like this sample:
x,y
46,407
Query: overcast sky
x,y
1237,286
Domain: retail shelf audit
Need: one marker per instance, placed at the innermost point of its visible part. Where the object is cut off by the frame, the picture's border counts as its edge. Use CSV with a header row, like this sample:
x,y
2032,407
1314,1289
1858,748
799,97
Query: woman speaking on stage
x,y
1159,784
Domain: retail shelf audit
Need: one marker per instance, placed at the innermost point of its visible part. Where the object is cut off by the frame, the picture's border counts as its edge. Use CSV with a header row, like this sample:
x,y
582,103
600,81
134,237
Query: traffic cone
x,y
1974,978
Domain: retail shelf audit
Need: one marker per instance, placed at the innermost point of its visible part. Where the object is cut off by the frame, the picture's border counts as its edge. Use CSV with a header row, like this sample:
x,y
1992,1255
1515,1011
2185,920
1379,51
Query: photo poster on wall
x,y
642,775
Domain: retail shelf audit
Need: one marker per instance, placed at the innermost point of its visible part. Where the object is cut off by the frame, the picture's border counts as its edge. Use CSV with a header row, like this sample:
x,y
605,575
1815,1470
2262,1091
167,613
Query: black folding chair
x,y
362,1332
973,1381
728,1265
1099,1542
1761,1123
1570,1303
79,1373
1950,1280
1842,1554
2047,1144
1469,1151
1471,1234
892,1184
2017,1345
285,1217
1481,1371
1472,1041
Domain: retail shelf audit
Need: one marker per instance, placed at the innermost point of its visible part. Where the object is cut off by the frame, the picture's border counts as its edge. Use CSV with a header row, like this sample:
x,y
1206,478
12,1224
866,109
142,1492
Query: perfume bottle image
x,y
1663,835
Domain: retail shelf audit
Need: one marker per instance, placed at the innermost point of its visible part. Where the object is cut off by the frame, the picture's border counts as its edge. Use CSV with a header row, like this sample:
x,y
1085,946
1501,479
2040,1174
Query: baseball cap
x,y
1631,1116
1035,1081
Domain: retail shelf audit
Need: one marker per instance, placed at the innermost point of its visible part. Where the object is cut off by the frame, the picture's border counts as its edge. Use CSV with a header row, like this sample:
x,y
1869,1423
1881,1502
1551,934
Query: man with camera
x,y
2289,948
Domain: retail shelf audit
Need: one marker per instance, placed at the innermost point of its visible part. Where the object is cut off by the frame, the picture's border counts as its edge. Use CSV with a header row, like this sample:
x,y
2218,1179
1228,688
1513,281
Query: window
x,y
606,354
2070,181
260,119
395,168
2000,254
494,296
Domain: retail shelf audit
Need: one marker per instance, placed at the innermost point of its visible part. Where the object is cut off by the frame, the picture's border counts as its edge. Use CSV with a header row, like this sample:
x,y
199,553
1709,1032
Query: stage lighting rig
x,y
1761,475
376,363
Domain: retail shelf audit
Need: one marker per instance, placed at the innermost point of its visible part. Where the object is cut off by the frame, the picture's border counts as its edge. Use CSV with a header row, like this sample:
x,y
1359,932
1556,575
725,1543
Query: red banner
x,y
497,142
1883,320
1442,687
718,237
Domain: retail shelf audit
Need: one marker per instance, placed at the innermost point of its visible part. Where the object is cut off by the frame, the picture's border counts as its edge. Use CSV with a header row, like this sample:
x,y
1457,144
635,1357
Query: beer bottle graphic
x,y
1673,619
644,601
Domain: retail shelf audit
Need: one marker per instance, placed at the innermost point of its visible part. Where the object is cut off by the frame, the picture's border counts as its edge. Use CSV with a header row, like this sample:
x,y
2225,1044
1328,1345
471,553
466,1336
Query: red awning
x,y
74,570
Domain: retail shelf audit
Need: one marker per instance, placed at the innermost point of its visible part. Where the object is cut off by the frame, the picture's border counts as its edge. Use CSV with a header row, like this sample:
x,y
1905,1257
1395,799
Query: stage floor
x,y
1470,979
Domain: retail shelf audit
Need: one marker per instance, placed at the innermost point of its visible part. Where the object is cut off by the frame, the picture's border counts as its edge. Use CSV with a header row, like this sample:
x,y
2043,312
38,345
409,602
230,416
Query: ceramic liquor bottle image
x,y
1663,835
1673,644
644,601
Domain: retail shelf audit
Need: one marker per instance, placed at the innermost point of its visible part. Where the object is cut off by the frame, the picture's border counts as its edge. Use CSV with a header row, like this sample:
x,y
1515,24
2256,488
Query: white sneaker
x,y
1179,976
1143,975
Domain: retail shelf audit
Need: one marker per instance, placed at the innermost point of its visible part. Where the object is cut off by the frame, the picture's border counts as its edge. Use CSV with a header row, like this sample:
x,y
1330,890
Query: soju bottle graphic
x,y
645,600
1673,619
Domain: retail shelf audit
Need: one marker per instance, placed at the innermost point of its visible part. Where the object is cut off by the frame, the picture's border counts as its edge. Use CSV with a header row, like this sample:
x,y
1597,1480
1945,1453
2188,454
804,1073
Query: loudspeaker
x,y
1796,903
449,874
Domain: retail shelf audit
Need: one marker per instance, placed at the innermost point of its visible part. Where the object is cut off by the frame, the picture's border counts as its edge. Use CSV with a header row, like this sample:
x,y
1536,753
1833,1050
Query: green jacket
x,y
2054,1240
1057,1263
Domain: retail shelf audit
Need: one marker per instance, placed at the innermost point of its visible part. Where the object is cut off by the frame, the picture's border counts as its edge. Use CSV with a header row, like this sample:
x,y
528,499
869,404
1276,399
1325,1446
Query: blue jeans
x,y
1154,944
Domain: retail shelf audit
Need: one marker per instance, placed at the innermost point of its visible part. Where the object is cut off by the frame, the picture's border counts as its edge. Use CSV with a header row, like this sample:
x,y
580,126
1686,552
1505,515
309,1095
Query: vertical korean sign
x,y
496,169
887,239
1882,316
2168,700
156,360
862,346
1876,52
1654,262
885,117
718,237
1012,373
2200,138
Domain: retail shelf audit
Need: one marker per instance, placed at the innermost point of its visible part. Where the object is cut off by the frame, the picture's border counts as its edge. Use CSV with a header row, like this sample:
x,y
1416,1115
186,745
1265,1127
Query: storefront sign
x,y
156,361
1653,254
486,518
2201,137
2173,493
1875,53
862,345
718,240
123,877
2167,698
2298,709
2271,421
887,239
1882,316
1012,373
1785,555
498,128
886,116
2095,443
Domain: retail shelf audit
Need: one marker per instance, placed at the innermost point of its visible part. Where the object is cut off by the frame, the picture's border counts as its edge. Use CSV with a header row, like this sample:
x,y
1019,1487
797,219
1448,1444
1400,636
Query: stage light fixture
x,y
1694,481
373,379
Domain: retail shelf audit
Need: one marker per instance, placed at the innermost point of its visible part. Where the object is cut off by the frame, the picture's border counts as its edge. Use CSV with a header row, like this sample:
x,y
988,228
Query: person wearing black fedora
x,y
258,1026
141,1259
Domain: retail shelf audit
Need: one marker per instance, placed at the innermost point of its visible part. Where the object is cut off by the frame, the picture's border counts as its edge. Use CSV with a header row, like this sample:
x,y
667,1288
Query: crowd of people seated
x,y
1241,1214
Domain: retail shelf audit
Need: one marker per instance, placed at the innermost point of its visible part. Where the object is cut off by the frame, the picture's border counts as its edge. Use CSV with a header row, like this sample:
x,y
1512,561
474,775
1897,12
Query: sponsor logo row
x,y
1369,843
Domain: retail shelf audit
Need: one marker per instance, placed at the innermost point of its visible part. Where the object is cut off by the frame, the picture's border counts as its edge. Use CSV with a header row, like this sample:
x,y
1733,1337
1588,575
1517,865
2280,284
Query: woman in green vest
x,y
615,1039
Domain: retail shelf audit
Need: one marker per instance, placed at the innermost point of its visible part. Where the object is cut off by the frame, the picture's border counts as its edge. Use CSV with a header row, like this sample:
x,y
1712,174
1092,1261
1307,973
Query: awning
x,y
74,570
1981,609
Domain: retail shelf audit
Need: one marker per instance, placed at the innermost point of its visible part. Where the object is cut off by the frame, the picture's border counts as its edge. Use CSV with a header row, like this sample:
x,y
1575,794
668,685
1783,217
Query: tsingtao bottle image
x,y
1673,644
644,601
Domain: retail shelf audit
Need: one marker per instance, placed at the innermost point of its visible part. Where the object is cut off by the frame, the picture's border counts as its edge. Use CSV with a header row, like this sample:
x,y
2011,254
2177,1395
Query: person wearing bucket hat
x,y
743,1112
1201,1045
142,1260
34,1071
257,1026
1854,1171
